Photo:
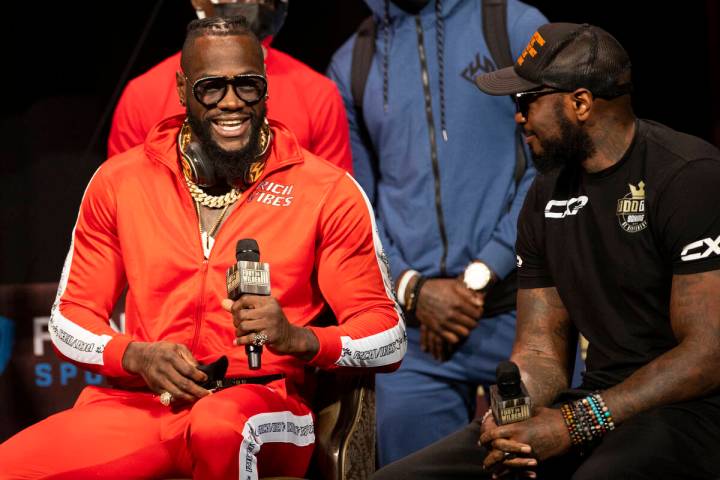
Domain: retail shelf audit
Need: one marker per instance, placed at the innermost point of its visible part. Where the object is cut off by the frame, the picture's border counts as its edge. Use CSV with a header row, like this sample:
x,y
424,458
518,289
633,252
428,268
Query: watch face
x,y
477,276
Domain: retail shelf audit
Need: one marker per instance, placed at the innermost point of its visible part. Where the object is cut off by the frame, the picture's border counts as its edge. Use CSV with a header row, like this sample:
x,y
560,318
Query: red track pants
x,y
240,432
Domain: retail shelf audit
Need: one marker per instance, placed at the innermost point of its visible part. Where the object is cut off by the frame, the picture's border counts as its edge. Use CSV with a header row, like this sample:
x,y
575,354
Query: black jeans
x,y
679,441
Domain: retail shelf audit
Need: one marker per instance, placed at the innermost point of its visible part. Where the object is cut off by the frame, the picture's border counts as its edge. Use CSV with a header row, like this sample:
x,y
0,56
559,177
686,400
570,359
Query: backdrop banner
x,y
34,381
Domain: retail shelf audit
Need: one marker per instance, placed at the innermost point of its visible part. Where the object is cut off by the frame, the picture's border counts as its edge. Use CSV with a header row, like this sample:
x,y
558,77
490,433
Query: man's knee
x,y
212,433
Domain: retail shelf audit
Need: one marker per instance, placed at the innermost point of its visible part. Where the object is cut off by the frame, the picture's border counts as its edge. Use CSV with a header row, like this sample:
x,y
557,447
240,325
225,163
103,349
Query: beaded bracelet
x,y
587,419
570,423
603,411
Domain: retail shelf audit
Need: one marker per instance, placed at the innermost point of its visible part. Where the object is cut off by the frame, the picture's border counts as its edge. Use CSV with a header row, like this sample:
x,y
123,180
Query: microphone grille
x,y
247,250
508,378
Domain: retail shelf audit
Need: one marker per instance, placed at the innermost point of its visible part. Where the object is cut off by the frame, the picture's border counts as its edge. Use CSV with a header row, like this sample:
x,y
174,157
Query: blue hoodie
x,y
479,198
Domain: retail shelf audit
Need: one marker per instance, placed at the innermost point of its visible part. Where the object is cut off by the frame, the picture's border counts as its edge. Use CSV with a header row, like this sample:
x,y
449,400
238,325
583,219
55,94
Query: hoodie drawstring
x,y
439,40
386,54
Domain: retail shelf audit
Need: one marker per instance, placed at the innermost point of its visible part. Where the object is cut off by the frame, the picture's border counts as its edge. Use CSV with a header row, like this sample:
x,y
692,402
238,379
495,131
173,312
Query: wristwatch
x,y
477,276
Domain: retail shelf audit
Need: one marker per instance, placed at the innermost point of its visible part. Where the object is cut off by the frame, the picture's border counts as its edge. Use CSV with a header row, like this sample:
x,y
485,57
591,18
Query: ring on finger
x,y
259,339
166,398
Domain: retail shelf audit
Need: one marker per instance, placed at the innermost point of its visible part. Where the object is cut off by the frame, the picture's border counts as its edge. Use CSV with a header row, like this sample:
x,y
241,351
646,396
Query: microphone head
x,y
507,375
247,250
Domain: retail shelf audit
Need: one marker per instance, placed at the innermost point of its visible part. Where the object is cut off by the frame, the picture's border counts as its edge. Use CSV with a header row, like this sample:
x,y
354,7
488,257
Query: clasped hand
x,y
447,311
542,436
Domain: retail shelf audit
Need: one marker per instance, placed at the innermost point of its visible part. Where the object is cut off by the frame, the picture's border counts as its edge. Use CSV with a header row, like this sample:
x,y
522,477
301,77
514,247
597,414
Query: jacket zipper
x,y
201,304
206,261
433,144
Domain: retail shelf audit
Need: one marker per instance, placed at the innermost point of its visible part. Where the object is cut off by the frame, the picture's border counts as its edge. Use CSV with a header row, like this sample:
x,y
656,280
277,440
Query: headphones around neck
x,y
200,170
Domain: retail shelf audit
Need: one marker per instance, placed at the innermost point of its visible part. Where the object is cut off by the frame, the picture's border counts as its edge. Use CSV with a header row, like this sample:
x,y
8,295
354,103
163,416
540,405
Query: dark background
x,y
64,62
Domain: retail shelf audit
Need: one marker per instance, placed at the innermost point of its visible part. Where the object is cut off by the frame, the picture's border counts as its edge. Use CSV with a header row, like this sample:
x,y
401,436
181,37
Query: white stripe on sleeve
x,y
73,341
384,348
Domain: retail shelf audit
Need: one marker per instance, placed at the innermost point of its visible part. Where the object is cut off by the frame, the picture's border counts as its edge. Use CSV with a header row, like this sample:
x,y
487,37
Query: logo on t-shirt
x,y
563,208
631,209
700,249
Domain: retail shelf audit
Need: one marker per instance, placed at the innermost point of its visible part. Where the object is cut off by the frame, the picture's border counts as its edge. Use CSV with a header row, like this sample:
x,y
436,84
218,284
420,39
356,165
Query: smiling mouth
x,y
231,128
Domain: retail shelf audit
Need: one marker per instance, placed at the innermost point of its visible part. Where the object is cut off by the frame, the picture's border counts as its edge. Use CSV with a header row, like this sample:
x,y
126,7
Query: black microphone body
x,y
248,275
509,399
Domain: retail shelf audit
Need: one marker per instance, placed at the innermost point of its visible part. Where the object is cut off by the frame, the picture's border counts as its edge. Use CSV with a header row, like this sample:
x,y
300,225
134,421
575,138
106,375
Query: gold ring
x,y
259,339
166,398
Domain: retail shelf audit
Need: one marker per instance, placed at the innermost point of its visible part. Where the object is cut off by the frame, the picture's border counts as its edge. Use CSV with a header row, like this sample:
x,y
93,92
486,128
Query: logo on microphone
x,y
255,278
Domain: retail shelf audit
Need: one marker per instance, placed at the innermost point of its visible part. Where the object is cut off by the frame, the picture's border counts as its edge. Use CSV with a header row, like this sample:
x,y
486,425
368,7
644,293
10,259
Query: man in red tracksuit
x,y
147,225
304,100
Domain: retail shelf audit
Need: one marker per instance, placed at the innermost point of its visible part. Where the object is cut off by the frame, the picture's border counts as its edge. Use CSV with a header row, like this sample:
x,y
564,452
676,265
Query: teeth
x,y
229,123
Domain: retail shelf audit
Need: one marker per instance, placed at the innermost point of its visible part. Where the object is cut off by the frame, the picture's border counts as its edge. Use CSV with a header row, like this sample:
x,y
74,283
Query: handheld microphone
x,y
248,275
509,399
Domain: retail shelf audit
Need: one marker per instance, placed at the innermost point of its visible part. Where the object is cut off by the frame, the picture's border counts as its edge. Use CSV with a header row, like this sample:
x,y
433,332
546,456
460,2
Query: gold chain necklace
x,y
207,237
211,201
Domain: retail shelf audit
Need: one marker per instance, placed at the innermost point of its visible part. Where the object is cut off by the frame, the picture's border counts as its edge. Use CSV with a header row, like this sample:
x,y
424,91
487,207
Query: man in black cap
x,y
619,239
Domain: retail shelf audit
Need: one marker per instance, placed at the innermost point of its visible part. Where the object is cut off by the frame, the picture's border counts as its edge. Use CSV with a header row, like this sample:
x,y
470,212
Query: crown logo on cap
x,y
639,191
536,39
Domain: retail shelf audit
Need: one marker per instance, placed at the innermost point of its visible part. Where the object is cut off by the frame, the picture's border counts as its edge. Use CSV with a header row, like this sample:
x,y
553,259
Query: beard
x,y
229,165
570,149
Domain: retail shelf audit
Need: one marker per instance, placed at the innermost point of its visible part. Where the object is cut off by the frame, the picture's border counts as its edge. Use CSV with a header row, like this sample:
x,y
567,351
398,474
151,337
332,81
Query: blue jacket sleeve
x,y
362,155
499,252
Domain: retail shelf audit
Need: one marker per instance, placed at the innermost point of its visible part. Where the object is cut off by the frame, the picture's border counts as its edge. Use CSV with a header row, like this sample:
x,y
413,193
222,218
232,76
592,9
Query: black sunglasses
x,y
249,87
524,99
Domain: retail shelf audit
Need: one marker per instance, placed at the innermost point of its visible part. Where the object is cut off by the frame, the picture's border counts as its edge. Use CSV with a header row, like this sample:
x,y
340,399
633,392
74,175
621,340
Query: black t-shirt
x,y
611,241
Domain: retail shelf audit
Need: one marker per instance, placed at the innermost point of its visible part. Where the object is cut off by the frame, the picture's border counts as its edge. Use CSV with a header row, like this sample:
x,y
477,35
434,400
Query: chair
x,y
345,427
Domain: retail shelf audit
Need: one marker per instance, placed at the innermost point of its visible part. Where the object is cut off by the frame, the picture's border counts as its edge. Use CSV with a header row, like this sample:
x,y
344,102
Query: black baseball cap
x,y
565,56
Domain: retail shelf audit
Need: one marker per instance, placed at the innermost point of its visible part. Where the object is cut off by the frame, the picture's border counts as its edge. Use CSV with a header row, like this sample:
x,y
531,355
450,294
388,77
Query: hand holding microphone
x,y
248,276
258,318
509,403
509,399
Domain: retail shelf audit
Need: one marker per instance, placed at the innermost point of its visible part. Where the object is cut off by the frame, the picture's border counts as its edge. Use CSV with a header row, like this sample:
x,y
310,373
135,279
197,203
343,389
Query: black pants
x,y
680,441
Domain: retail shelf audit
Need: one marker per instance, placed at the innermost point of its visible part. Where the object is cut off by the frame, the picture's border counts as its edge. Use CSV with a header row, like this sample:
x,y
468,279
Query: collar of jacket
x,y
161,146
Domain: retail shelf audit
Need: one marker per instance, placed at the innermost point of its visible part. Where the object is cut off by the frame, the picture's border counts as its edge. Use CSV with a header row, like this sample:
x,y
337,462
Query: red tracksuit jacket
x,y
138,227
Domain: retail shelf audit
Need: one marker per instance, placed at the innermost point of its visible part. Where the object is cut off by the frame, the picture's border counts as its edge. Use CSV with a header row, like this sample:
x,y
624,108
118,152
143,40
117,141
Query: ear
x,y
180,84
582,103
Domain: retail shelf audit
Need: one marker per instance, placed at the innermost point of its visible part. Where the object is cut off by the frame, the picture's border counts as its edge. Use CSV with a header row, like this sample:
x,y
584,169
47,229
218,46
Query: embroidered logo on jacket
x,y
631,209
272,193
478,66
